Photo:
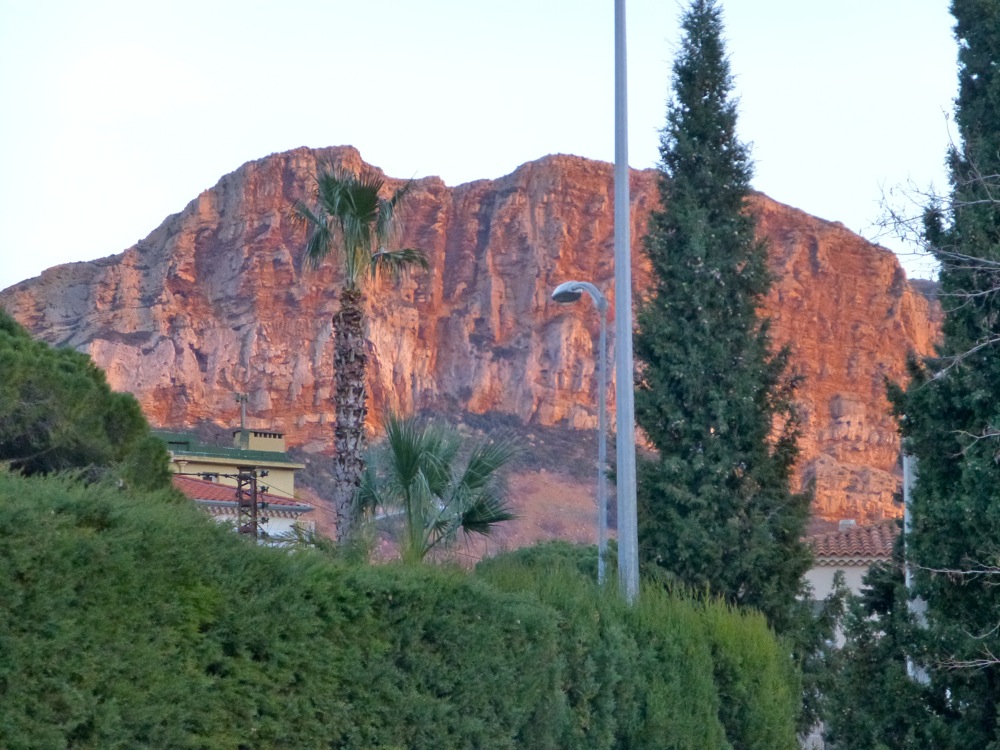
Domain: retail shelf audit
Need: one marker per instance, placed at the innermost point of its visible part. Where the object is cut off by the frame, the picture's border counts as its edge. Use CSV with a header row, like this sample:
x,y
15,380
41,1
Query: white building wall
x,y
820,578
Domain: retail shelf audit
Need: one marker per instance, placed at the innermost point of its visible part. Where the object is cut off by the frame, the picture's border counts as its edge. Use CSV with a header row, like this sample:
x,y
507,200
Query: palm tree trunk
x,y
351,407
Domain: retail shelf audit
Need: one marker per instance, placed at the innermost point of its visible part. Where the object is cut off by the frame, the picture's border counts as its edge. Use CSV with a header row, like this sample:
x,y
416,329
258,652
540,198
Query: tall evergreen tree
x,y
715,508
950,414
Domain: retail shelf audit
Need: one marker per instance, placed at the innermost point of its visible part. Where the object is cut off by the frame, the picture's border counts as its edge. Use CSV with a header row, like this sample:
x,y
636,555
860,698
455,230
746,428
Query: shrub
x,y
57,413
672,672
757,684
136,621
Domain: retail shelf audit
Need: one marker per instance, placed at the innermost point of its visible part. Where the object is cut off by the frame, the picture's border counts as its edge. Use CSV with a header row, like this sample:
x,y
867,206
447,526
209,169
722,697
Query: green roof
x,y
186,443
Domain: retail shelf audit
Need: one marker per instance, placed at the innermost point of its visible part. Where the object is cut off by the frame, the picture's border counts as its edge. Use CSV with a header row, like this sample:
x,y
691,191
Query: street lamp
x,y
628,534
566,293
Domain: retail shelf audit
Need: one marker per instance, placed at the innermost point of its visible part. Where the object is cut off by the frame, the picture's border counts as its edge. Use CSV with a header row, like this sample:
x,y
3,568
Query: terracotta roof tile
x,y
868,542
199,489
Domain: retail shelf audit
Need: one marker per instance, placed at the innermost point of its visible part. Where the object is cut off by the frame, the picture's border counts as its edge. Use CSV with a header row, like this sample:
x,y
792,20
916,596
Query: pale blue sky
x,y
116,113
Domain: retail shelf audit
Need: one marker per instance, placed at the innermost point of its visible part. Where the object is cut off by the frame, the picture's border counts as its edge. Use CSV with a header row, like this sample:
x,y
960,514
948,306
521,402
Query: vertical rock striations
x,y
846,309
217,300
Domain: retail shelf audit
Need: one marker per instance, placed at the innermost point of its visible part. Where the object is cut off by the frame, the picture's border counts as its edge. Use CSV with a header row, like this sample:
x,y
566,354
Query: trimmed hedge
x,y
671,672
137,622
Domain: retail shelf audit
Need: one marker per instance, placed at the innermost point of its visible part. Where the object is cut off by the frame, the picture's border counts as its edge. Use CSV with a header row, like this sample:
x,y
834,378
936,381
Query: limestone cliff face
x,y
217,300
846,310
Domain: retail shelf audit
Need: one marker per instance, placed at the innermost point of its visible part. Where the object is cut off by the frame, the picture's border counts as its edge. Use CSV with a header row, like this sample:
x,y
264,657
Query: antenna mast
x,y
241,399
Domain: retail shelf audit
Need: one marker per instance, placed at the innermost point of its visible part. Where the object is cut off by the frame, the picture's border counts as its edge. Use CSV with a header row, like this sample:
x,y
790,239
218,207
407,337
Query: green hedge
x,y
138,622
671,672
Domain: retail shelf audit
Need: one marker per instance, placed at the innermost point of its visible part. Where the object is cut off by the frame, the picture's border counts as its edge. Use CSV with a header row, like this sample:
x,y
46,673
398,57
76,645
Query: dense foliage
x,y
715,509
950,419
622,685
137,622
57,413
873,703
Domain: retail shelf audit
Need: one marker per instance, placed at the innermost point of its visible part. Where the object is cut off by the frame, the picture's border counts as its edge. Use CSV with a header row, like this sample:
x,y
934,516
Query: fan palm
x,y
415,476
353,221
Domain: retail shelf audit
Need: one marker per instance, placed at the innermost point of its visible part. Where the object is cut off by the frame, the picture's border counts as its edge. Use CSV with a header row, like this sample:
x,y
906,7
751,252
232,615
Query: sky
x,y
117,113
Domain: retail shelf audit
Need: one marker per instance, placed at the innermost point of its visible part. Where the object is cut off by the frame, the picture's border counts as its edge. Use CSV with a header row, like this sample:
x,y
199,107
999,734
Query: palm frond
x,y
368,499
388,223
439,447
400,194
320,240
421,509
396,264
344,194
404,448
486,458
442,531
352,213
418,475
303,216
484,511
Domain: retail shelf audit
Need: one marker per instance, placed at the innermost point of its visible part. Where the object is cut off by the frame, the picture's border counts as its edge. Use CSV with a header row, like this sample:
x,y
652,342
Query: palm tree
x,y
414,476
353,221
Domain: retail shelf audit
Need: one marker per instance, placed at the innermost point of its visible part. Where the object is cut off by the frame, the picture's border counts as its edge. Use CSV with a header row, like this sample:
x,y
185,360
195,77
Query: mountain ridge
x,y
216,300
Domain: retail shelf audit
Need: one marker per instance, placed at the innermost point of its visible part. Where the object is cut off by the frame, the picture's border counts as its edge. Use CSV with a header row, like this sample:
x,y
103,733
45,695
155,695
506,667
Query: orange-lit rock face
x,y
217,300
845,308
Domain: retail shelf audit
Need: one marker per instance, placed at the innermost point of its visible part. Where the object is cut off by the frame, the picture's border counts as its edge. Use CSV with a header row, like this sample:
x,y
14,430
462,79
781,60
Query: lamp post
x,y
565,293
628,533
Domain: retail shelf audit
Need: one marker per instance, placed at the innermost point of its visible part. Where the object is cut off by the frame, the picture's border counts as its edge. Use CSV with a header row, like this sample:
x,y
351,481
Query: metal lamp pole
x,y
567,292
628,533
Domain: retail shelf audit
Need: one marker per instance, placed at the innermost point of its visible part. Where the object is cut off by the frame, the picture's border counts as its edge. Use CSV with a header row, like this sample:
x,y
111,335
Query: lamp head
x,y
567,292
570,291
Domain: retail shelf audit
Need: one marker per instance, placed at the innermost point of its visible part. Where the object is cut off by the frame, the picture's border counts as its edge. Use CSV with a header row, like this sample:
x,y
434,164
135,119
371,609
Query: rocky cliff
x,y
217,300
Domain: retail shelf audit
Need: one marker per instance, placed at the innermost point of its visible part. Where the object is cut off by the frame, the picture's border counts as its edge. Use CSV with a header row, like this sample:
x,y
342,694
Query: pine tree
x,y
715,508
950,414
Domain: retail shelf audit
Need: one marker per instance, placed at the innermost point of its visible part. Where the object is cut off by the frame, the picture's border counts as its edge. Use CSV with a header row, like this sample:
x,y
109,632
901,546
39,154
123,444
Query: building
x,y
262,449
283,514
209,475
851,549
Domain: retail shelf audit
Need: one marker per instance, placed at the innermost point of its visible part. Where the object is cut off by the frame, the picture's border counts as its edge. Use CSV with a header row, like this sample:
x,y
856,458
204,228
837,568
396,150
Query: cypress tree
x,y
950,415
715,508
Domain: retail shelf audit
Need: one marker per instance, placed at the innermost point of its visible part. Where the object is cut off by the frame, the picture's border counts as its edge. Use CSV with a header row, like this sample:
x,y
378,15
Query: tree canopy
x,y
950,419
714,399
57,413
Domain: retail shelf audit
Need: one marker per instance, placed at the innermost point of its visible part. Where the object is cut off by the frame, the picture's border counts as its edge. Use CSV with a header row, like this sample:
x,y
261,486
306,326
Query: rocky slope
x,y
216,300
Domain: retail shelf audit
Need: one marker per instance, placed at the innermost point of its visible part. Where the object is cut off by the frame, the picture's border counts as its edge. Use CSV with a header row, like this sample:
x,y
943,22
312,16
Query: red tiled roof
x,y
199,489
857,542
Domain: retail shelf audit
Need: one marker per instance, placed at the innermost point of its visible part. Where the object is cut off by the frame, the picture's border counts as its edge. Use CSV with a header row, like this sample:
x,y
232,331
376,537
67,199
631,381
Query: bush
x,y
57,413
132,622
757,685
139,622
671,672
